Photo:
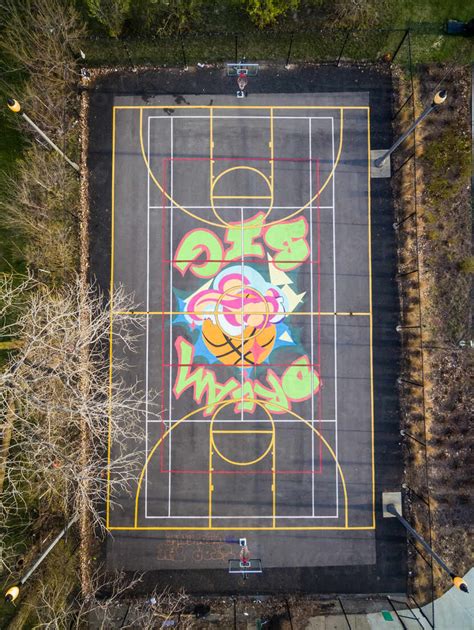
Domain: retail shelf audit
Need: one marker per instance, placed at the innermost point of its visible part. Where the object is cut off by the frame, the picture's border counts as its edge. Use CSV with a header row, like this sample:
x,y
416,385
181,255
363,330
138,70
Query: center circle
x,y
243,308
252,169
264,452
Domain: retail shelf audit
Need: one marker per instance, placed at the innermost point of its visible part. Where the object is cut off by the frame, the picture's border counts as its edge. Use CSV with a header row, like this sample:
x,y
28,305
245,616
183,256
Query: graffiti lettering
x,y
298,382
203,253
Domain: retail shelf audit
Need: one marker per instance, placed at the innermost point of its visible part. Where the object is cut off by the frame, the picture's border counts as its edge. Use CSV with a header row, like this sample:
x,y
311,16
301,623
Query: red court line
x,y
318,232
241,472
239,159
249,259
263,365
163,231
257,261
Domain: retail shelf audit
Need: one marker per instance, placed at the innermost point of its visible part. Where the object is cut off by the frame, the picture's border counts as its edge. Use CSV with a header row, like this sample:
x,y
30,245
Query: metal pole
x,y
405,433
129,54
236,46
402,221
287,64
457,581
342,49
289,613
405,35
344,612
15,107
183,52
46,552
406,273
406,380
438,99
14,591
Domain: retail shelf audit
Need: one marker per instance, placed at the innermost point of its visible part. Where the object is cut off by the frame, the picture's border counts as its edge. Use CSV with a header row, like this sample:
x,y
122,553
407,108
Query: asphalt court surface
x,y
243,231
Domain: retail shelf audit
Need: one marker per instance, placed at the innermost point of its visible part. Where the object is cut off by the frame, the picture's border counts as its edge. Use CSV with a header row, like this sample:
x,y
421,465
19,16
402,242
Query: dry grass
x,y
440,238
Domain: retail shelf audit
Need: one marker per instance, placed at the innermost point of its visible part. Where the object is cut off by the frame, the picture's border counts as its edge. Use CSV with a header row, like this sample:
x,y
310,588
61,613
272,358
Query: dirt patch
x,y
433,195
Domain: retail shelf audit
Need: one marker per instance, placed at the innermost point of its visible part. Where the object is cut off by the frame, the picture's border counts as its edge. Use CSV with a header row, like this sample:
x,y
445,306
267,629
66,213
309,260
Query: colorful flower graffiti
x,y
238,315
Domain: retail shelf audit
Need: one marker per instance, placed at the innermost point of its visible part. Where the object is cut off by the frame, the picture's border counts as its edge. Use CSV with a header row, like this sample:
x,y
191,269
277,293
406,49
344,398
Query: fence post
x,y
183,52
129,55
342,49
287,64
345,614
236,43
404,36
398,224
406,273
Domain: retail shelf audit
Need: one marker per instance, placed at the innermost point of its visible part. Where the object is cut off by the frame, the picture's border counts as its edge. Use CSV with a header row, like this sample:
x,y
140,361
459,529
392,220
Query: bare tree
x,y
39,36
112,602
59,381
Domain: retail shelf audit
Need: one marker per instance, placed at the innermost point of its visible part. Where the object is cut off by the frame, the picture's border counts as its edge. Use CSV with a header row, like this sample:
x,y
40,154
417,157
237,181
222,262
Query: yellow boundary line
x,y
245,529
284,528
238,108
369,225
112,226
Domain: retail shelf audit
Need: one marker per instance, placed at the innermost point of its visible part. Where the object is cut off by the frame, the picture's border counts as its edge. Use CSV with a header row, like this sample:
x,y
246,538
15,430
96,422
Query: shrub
x,y
266,12
110,13
467,265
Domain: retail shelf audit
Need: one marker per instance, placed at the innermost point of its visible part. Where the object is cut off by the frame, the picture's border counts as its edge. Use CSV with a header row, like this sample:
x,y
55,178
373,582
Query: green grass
x,y
410,12
11,146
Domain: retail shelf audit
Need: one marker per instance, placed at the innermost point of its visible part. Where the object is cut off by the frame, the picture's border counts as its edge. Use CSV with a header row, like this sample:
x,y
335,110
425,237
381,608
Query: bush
x,y
467,265
38,37
110,13
41,211
164,17
359,13
266,12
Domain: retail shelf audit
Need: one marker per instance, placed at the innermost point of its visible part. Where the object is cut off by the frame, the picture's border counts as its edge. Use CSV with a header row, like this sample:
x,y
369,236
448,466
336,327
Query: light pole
x,y
14,591
438,99
457,581
15,107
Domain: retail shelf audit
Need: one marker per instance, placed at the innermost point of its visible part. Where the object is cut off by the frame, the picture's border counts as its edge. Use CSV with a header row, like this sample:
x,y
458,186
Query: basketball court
x,y
243,228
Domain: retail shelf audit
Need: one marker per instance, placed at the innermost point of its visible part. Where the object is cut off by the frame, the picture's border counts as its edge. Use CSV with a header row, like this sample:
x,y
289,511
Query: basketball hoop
x,y
242,81
244,556
244,564
242,71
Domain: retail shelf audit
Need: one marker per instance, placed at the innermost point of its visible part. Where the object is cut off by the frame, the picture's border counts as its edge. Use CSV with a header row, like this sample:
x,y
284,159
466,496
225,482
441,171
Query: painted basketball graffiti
x,y
238,315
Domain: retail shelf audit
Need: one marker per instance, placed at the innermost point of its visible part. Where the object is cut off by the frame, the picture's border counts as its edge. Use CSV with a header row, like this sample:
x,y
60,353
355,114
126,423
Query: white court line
x,y
242,309
267,117
170,421
310,154
276,420
246,517
147,317
335,318
171,319
236,207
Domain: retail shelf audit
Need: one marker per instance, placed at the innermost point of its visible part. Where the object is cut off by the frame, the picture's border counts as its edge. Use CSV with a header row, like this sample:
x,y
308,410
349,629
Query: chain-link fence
x,y
333,46
421,586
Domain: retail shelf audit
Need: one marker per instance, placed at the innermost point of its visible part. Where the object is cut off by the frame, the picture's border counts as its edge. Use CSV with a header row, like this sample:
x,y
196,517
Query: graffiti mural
x,y
240,314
